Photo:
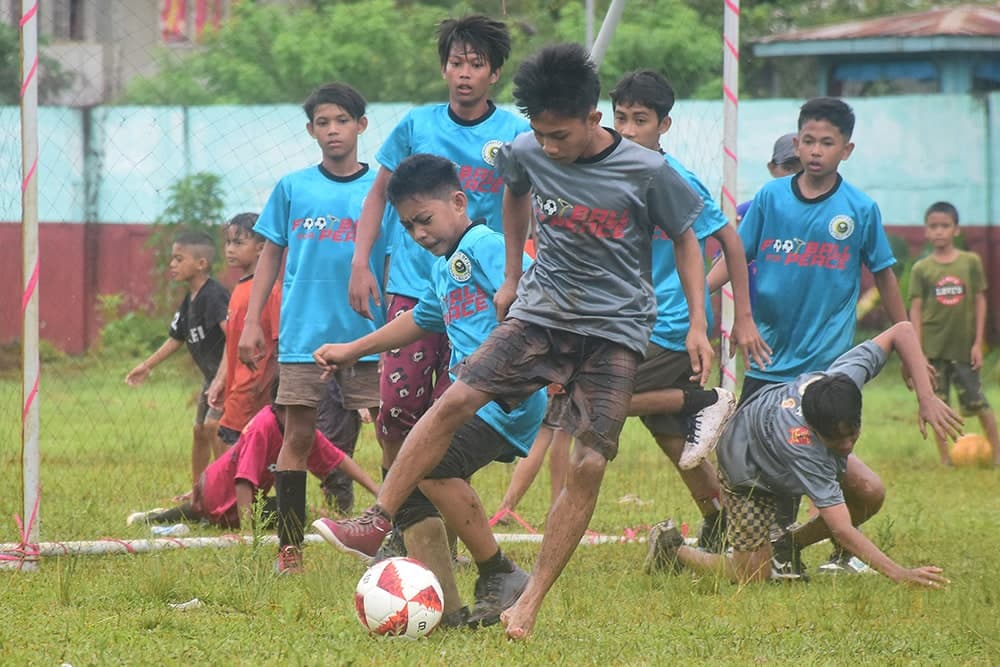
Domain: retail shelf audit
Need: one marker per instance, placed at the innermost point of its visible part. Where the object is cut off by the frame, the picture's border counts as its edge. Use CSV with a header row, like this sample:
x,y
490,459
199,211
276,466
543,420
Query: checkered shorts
x,y
749,515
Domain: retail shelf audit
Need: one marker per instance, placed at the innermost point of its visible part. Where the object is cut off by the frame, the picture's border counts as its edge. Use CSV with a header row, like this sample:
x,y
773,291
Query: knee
x,y
459,402
587,464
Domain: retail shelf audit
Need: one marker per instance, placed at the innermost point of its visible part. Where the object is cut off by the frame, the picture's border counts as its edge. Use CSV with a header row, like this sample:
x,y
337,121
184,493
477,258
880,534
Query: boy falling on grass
x,y
579,316
225,494
200,322
239,391
426,192
948,309
798,438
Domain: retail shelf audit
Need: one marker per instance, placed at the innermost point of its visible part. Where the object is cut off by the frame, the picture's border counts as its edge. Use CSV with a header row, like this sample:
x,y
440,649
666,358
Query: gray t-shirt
x,y
595,219
768,445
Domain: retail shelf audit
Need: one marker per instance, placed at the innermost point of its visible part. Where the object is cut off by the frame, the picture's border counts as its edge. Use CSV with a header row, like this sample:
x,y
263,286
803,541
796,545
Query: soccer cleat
x,y
496,592
143,517
661,554
786,561
712,536
843,562
705,429
360,537
456,619
391,547
289,560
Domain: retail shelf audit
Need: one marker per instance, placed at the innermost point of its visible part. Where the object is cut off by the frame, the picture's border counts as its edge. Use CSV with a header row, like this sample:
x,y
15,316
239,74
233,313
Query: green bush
x,y
134,335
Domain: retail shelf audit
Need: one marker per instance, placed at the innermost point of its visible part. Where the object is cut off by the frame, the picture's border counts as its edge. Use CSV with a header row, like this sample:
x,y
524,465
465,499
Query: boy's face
x,y
242,250
185,264
336,131
821,148
468,76
843,442
940,229
639,123
565,139
436,224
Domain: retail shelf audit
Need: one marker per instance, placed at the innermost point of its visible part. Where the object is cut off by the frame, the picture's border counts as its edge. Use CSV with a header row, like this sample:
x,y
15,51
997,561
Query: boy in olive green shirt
x,y
948,309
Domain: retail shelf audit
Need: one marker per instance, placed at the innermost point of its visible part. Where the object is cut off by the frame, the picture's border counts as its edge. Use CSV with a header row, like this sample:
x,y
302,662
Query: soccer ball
x,y
970,450
399,597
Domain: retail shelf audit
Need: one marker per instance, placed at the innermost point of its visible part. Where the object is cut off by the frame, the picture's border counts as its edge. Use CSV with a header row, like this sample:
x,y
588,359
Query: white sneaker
x,y
142,517
845,563
705,428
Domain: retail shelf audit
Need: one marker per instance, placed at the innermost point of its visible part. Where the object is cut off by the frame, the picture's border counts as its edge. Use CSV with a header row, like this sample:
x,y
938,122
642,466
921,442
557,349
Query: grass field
x,y
108,450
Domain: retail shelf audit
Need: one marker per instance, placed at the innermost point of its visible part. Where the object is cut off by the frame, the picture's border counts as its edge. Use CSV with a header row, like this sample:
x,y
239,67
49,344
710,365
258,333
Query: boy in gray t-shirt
x,y
580,316
797,438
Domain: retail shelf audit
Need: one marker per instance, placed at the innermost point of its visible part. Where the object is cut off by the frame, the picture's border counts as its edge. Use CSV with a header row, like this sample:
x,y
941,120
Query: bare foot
x,y
518,623
183,497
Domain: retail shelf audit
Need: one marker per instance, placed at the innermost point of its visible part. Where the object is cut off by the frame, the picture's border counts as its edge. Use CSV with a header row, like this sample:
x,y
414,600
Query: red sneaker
x,y
359,537
289,560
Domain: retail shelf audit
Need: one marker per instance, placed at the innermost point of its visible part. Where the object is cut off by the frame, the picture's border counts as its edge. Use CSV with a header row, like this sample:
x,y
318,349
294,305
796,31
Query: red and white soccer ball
x,y
399,597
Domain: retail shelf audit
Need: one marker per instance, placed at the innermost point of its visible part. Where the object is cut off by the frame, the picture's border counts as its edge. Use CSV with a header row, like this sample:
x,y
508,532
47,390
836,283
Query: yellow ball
x,y
970,450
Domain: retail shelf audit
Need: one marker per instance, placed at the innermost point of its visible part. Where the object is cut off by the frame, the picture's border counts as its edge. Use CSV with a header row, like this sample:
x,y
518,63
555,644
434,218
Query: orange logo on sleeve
x,y
799,435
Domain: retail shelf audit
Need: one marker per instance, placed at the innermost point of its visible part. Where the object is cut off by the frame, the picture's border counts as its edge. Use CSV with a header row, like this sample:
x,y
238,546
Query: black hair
x,y
422,174
831,403
200,242
341,94
647,88
244,223
835,111
479,34
561,79
942,207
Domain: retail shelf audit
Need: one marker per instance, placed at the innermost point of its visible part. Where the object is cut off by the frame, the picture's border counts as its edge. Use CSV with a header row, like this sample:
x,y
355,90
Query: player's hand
x,y
746,337
366,415
504,297
926,576
251,345
701,353
976,357
331,357
214,395
360,288
947,424
137,375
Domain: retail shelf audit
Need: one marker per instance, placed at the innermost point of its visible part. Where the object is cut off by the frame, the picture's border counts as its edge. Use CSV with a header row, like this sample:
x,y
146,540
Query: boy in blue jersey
x,y
309,220
579,316
798,437
810,234
467,271
685,419
468,130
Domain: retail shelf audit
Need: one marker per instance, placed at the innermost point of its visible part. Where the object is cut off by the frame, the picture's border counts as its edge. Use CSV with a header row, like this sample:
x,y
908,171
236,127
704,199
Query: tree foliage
x,y
51,77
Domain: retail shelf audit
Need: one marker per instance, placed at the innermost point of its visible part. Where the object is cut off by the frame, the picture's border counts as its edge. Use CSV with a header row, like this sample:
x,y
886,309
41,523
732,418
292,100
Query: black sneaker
x,y
661,553
392,546
456,619
495,593
712,537
786,560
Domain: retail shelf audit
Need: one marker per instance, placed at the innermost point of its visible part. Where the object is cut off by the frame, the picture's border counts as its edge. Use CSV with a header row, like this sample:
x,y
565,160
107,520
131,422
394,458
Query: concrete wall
x,y
105,173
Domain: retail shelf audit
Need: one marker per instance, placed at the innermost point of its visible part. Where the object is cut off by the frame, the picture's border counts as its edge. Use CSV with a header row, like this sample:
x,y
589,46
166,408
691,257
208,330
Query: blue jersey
x,y
472,146
459,301
809,255
313,214
672,322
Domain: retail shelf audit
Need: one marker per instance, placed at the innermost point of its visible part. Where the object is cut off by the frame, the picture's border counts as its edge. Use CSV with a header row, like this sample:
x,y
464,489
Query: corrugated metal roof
x,y
962,20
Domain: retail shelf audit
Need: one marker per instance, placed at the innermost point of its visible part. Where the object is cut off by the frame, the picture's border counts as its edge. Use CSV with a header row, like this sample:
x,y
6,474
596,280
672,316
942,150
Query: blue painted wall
x,y
115,164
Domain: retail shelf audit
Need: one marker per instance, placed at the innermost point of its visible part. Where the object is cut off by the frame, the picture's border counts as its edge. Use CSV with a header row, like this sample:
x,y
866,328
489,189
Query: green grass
x,y
108,449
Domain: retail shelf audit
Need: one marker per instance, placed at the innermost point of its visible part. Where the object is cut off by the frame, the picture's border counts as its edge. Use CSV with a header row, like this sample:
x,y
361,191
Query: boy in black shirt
x,y
200,321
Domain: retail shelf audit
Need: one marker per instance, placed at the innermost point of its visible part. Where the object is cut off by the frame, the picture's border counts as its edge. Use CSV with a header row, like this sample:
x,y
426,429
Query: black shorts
x,y
228,435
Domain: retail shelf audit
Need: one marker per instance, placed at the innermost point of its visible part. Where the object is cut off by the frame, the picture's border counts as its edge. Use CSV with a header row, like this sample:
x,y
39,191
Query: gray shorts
x,y
664,369
519,358
203,413
303,384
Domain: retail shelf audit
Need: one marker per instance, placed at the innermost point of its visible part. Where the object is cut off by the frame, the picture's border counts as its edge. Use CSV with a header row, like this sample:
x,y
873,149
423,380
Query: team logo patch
x,y
788,403
460,267
490,150
949,290
841,227
799,435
